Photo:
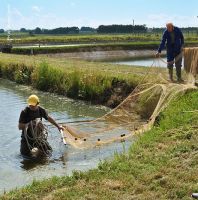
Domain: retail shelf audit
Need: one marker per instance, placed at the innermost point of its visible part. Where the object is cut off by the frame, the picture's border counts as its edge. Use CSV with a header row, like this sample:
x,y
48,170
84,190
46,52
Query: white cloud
x,y
36,9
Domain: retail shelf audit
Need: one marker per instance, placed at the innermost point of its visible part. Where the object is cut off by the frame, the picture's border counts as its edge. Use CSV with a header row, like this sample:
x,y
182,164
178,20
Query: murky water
x,y
147,62
14,172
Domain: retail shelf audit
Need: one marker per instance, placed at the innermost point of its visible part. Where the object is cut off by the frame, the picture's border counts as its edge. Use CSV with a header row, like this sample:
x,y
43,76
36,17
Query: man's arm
x,y
162,44
52,121
21,126
182,37
22,120
163,41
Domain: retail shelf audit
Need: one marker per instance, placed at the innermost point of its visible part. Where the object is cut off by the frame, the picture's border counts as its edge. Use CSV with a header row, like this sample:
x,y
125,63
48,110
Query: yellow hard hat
x,y
33,100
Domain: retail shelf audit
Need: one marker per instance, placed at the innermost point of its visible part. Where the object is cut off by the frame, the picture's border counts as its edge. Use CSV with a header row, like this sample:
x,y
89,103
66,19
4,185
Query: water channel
x,y
14,171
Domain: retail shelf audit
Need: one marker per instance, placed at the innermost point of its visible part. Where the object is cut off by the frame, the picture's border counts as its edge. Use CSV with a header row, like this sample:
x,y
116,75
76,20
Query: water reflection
x,y
146,62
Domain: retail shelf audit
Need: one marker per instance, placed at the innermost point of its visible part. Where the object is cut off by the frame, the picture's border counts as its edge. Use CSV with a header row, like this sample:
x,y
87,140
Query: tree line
x,y
122,29
183,29
103,29
75,30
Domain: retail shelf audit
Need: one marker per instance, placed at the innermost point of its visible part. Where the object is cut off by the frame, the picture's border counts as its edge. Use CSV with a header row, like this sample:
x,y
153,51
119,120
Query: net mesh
x,y
191,63
137,113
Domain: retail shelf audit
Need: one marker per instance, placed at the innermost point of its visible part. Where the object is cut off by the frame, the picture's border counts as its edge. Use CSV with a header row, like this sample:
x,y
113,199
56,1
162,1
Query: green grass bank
x,y
19,38
86,48
141,45
101,83
162,164
87,42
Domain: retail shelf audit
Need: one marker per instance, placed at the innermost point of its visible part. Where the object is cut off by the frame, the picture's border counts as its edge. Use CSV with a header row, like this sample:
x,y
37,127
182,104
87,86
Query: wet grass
x,y
162,164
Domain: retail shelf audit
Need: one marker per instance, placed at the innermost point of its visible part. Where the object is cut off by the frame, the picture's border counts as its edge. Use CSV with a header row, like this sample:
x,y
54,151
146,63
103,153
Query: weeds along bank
x,y
97,82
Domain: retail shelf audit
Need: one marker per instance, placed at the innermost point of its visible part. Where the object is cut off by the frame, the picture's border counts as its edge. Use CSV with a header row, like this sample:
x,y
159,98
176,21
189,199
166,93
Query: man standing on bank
x,y
174,41
27,118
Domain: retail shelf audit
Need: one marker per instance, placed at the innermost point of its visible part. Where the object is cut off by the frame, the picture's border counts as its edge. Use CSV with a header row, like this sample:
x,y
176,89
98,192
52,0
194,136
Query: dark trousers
x,y
177,59
24,149
44,148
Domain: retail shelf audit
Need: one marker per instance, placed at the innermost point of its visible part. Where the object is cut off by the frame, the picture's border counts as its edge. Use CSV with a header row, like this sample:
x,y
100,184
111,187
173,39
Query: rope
x,y
179,56
124,121
38,131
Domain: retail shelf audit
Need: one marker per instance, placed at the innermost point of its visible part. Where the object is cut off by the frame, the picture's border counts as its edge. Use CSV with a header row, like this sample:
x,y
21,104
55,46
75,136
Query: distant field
x,y
47,44
25,38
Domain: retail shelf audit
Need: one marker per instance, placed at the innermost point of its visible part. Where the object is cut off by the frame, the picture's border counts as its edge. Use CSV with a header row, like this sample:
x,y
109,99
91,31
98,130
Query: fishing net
x,y
191,60
137,113
191,63
36,134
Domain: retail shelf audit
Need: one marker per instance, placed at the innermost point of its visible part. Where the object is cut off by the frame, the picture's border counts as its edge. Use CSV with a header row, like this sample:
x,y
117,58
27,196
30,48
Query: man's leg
x,y
170,71
195,195
178,65
25,151
170,61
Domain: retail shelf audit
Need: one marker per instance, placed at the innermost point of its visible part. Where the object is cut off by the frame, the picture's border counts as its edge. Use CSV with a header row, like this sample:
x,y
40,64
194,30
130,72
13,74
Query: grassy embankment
x,y
162,164
19,38
79,38
96,82
90,42
87,48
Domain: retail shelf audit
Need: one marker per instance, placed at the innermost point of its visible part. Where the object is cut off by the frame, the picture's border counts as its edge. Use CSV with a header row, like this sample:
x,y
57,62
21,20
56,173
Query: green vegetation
x,y
162,164
86,42
86,48
88,38
23,38
72,78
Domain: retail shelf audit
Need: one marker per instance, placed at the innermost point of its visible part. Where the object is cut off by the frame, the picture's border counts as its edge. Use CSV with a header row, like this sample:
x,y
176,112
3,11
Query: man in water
x,y
174,40
27,123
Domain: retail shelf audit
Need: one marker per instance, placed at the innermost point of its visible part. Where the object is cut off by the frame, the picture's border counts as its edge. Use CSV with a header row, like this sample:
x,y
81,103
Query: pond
x,y
147,62
14,171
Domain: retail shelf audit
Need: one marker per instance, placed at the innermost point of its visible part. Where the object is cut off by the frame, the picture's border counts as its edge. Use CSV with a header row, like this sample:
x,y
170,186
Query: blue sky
x,y
62,13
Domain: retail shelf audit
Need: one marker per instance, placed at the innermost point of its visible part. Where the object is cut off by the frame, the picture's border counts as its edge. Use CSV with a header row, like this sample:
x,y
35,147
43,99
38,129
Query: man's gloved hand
x,y
60,128
195,195
157,55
